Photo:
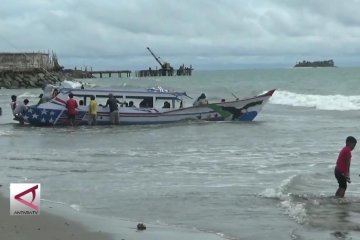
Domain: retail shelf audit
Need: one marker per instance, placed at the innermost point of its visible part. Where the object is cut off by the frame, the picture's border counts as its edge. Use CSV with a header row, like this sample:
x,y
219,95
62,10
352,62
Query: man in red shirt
x,y
71,106
342,169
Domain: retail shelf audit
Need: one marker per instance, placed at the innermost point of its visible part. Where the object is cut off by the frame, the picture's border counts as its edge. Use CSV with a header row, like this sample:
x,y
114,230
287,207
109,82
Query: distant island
x,y
326,63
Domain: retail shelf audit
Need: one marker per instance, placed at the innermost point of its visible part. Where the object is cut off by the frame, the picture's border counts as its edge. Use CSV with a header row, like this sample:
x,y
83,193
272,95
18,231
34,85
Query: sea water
x,y
268,179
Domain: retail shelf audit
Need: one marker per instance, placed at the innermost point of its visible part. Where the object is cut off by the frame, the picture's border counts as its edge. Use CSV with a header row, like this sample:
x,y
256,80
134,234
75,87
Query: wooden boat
x,y
54,112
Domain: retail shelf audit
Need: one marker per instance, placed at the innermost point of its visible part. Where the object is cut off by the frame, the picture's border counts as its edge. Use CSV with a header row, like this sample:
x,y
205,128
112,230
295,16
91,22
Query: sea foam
x,y
28,95
321,102
295,210
70,84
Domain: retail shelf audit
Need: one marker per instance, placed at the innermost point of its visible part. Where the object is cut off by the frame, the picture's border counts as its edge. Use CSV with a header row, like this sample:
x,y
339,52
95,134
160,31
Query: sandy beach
x,y
53,223
42,227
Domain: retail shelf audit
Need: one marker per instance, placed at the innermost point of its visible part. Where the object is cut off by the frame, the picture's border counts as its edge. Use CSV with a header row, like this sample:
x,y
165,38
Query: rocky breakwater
x,y
28,79
36,78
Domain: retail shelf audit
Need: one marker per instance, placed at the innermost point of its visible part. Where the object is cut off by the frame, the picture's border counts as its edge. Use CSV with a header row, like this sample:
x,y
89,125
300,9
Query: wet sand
x,y
49,226
42,227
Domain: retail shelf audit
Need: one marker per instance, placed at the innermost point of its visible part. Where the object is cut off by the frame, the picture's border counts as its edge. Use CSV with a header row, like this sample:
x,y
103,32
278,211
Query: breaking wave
x,y
295,210
70,84
321,102
28,95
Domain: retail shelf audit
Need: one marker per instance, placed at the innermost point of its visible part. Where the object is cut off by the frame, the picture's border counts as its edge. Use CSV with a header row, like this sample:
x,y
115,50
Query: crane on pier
x,y
166,68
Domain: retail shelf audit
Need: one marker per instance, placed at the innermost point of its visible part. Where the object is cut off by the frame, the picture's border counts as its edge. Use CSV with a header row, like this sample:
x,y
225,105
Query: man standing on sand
x,y
342,169
71,106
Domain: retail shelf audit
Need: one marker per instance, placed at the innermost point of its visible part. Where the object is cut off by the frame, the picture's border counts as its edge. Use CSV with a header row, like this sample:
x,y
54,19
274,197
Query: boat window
x,y
166,104
146,103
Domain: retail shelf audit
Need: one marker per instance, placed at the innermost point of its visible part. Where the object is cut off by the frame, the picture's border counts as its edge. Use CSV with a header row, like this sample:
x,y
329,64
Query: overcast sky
x,y
209,34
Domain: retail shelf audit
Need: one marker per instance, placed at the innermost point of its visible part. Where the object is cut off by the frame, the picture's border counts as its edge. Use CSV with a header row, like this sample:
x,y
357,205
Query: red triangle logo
x,y
29,204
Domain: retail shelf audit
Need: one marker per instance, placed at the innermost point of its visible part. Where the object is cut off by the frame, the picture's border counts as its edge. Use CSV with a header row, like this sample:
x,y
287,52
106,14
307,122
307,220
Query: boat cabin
x,y
148,98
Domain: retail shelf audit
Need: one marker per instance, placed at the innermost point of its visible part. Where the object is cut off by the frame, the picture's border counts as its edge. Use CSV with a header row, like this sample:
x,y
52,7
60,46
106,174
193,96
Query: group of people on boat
x,y
72,106
112,102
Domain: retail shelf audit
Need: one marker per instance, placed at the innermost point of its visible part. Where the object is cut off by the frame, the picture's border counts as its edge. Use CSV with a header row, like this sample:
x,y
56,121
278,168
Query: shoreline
x,y
42,227
54,223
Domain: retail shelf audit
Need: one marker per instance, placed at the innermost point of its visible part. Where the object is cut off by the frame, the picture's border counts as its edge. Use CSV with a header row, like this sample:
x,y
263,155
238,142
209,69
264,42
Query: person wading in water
x,y
342,169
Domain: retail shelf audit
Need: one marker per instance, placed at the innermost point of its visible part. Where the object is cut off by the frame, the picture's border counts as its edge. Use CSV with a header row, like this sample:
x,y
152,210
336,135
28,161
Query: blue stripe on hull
x,y
249,116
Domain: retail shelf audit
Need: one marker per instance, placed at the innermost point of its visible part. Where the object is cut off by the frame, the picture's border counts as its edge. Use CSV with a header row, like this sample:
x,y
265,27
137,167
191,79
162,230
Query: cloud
x,y
206,34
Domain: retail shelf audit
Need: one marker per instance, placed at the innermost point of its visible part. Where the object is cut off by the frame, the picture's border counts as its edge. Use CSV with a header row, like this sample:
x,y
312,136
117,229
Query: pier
x,y
182,71
165,70
110,72
154,73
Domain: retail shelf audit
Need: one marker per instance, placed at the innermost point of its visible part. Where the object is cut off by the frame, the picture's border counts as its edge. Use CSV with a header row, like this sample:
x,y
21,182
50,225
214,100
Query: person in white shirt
x,y
19,111
13,104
